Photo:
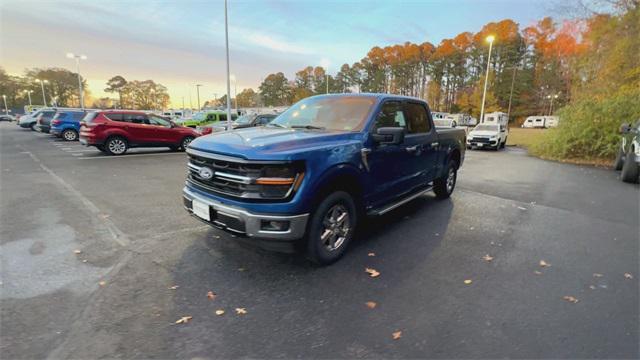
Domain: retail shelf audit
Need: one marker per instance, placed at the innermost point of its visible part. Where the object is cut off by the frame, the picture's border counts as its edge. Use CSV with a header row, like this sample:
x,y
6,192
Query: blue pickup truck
x,y
307,179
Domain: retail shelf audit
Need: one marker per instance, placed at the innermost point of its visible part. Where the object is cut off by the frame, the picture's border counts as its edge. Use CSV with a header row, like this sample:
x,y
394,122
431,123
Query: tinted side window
x,y
222,117
154,120
136,118
390,115
78,116
417,118
115,117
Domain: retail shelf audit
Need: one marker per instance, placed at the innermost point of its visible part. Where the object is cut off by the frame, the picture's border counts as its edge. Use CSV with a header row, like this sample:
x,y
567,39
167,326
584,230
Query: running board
x,y
375,212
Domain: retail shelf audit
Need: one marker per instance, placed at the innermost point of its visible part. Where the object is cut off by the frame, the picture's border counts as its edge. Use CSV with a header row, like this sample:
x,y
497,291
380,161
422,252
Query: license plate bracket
x,y
201,209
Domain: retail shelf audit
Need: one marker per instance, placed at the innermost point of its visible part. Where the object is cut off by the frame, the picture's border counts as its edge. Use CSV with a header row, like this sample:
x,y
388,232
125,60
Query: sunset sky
x,y
181,43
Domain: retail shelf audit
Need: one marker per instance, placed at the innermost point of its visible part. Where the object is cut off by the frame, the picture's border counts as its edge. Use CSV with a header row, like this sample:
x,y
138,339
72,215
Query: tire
x,y
630,169
443,187
504,143
33,126
69,135
619,160
185,142
116,145
323,221
101,148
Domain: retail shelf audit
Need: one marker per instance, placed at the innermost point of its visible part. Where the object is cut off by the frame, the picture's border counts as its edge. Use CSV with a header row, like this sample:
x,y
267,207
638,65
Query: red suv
x,y
115,131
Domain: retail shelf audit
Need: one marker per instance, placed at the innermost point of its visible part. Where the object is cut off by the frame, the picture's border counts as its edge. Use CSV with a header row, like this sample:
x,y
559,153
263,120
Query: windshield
x,y
244,119
343,113
486,128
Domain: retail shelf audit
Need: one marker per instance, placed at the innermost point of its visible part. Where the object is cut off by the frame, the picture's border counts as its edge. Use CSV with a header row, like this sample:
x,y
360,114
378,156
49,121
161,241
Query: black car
x,y
250,120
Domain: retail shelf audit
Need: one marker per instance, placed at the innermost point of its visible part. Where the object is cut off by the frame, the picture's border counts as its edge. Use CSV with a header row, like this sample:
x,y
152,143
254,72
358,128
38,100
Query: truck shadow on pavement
x,y
294,308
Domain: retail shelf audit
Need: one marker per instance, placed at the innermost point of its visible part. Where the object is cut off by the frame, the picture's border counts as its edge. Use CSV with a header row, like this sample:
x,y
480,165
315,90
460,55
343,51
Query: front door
x,y
163,133
392,167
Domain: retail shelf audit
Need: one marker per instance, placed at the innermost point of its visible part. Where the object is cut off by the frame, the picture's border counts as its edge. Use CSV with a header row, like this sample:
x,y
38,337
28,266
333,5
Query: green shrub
x,y
588,128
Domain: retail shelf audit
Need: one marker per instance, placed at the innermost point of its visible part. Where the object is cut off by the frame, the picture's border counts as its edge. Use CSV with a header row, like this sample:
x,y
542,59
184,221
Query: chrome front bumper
x,y
242,222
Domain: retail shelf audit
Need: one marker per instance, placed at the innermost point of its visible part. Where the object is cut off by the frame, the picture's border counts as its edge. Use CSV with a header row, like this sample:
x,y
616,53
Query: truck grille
x,y
484,140
235,177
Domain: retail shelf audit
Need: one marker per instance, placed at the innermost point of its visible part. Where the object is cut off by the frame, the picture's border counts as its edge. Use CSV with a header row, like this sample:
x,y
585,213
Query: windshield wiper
x,y
308,127
277,125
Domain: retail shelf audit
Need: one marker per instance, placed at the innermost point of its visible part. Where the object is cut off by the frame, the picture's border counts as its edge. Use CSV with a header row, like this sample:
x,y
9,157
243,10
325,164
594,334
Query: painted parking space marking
x,y
125,156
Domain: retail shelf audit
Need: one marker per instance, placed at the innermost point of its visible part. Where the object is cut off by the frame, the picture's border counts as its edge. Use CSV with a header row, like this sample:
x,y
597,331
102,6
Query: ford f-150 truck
x,y
307,179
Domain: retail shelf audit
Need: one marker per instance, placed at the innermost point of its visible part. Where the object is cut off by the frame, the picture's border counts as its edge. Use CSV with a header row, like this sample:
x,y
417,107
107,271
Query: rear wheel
x,y
70,135
331,228
116,145
443,187
630,169
33,126
619,160
504,143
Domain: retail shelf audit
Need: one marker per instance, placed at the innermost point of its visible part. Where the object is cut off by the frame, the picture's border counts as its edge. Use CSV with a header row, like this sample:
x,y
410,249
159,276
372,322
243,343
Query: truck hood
x,y
483,133
270,143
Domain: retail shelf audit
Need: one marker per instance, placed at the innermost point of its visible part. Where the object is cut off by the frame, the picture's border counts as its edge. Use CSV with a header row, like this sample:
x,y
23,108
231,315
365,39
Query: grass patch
x,y
524,137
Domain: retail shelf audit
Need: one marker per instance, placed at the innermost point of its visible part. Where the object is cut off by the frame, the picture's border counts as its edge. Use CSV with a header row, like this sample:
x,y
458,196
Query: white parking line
x,y
128,156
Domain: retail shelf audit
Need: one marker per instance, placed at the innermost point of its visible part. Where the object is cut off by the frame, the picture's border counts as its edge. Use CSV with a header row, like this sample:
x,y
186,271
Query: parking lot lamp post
x,y
78,58
489,39
551,97
44,97
226,43
4,98
29,95
198,91
235,92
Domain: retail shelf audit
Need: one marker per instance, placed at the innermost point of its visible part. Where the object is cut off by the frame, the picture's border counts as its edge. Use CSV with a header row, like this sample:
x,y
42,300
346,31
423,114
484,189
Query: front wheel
x,y
33,126
443,186
185,142
70,135
504,143
116,146
332,226
630,169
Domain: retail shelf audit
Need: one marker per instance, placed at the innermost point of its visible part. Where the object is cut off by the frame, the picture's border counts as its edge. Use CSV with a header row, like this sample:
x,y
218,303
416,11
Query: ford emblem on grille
x,y
205,173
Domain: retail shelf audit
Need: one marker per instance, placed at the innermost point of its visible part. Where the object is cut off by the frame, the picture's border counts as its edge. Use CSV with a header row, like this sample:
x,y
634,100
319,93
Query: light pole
x,y
29,95
226,45
551,97
490,39
513,81
44,98
325,65
198,91
6,111
78,58
235,91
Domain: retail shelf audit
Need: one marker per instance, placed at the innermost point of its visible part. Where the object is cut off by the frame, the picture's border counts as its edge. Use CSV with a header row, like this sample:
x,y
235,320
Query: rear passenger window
x,y
136,118
417,118
222,117
115,117
78,116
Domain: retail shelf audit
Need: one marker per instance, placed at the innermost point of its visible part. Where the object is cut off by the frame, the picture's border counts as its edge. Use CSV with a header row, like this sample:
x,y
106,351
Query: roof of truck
x,y
372,95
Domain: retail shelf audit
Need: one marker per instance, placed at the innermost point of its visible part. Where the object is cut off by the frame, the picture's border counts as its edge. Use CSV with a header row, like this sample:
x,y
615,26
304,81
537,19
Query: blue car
x,y
66,124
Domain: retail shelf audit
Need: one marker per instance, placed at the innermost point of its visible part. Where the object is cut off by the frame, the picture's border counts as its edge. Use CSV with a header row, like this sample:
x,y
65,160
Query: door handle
x,y
435,144
413,148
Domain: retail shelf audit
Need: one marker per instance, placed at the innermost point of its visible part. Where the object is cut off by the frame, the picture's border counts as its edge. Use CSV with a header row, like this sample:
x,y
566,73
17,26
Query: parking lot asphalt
x,y
99,260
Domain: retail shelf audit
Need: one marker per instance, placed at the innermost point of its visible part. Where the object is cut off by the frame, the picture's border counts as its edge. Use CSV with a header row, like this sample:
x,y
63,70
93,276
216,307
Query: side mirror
x,y
389,135
625,128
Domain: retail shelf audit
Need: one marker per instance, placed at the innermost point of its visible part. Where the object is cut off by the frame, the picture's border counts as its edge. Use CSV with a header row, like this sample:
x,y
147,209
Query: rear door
x,y
422,144
137,129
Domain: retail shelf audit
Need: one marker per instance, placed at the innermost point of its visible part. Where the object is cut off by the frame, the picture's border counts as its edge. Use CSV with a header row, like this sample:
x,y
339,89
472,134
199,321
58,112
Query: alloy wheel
x,y
69,135
117,146
335,227
451,180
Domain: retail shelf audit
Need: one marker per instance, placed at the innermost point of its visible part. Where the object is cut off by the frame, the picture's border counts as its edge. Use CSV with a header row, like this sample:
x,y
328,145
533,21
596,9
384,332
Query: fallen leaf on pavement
x,y
544,263
104,216
211,295
371,304
628,276
597,275
592,287
522,208
173,287
487,258
241,269
570,299
397,335
184,320
241,311
371,254
468,281
537,272
102,283
372,272
219,312
77,251
84,261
